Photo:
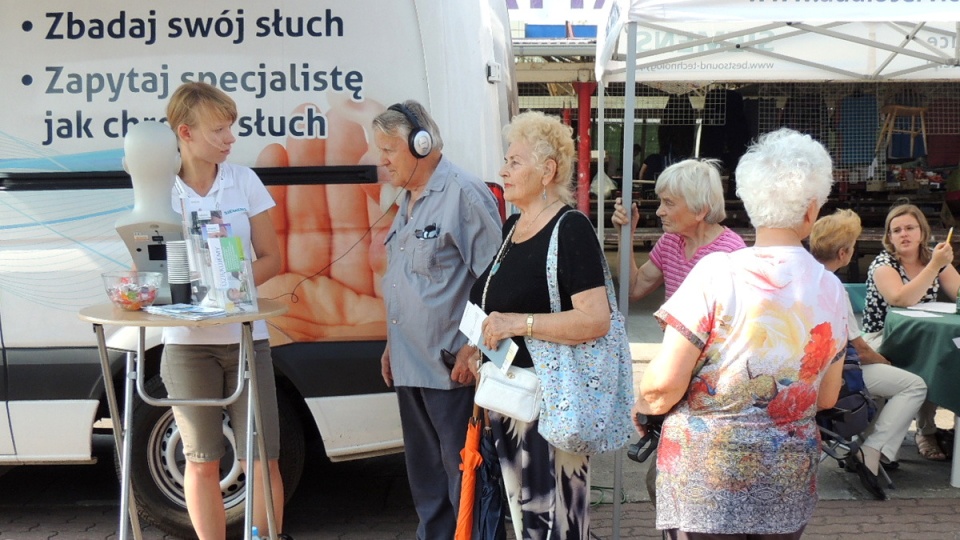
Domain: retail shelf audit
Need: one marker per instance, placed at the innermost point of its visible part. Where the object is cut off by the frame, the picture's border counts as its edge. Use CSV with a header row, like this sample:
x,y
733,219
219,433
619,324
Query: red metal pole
x,y
584,92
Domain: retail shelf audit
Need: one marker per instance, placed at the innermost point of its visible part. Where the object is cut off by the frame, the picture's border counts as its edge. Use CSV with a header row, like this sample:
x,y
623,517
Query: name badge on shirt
x,y
203,215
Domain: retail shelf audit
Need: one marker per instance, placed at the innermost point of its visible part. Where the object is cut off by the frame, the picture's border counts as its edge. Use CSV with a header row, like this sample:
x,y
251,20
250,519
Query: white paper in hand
x,y
471,326
471,322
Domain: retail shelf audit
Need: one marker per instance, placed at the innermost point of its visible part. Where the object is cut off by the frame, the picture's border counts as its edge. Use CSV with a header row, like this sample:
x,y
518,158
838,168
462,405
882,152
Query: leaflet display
x,y
221,273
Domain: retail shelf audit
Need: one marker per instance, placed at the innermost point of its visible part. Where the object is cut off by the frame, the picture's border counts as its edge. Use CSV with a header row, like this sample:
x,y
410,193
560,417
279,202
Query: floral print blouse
x,y
875,307
739,453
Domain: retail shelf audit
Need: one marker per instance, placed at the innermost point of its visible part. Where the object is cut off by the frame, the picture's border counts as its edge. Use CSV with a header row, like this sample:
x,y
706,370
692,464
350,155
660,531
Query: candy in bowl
x,y
132,291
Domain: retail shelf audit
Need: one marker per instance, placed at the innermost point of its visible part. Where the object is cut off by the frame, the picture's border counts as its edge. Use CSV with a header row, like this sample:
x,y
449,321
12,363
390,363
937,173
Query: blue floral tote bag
x,y
587,388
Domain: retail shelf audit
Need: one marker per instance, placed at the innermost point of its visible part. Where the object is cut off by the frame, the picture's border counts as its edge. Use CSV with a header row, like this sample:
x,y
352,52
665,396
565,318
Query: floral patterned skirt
x,y
548,490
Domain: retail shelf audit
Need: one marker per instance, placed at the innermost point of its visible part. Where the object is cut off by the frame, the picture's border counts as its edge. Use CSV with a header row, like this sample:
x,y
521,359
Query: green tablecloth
x,y
925,346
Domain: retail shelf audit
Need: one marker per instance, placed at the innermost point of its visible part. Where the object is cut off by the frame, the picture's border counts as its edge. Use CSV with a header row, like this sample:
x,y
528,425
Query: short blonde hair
x,y
194,102
550,139
832,233
697,182
908,210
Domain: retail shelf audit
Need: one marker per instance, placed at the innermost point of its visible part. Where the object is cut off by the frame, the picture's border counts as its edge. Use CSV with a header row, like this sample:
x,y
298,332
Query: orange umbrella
x,y
470,462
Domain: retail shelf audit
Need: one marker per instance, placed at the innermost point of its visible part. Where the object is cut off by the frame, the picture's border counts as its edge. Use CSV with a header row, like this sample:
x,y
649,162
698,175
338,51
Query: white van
x,y
307,78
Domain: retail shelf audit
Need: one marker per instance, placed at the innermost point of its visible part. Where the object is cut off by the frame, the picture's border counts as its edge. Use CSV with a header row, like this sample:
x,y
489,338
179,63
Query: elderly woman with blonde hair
x,y
832,242
548,489
753,346
691,209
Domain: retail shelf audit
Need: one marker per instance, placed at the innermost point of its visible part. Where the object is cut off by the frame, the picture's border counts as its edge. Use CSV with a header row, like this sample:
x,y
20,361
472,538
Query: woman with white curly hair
x,y
751,350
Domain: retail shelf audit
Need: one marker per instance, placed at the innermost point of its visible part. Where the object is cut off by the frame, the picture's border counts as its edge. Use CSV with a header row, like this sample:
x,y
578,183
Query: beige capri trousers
x,y
210,372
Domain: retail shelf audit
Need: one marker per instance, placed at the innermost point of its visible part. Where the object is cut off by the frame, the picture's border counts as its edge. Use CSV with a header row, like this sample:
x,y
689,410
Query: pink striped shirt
x,y
668,255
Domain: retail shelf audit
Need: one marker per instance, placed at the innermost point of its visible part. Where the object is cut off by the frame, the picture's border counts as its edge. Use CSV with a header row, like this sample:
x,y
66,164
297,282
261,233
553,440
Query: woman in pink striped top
x,y
691,209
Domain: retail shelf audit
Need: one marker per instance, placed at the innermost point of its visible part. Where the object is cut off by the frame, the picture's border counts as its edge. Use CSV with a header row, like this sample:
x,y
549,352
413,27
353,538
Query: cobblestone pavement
x,y
899,519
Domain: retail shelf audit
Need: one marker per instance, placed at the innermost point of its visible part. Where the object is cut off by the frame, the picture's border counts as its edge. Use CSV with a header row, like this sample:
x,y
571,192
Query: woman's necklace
x,y
527,227
504,248
508,242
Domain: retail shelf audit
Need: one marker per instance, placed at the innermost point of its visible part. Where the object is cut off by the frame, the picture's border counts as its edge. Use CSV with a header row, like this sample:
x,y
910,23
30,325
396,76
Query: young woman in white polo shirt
x,y
203,362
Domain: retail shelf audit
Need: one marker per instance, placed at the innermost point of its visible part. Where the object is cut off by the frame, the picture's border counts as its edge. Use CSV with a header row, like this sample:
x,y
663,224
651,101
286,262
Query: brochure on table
x,y
187,312
221,273
935,307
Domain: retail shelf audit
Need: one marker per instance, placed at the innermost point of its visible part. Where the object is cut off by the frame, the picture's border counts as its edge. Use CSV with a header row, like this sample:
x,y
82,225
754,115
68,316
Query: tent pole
x,y
956,52
626,235
601,154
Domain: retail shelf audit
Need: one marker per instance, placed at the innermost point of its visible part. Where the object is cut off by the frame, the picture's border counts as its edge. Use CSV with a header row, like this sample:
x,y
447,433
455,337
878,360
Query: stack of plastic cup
x,y
178,272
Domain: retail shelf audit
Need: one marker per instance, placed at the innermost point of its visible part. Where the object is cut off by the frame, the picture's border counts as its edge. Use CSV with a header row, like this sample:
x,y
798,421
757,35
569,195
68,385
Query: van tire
x,y
159,489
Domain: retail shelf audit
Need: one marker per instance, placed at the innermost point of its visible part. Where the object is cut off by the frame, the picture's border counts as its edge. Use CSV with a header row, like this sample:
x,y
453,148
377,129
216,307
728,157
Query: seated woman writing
x,y
832,242
906,273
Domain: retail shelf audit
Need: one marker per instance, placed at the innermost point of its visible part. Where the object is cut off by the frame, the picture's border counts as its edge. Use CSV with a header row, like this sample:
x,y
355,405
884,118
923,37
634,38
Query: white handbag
x,y
515,393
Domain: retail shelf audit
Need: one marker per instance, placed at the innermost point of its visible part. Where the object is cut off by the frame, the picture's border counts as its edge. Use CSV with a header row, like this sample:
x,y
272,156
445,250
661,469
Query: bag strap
x,y
552,282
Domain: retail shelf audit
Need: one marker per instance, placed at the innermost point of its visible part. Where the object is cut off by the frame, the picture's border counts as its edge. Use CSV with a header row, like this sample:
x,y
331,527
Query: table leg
x,y
245,354
128,505
254,423
955,466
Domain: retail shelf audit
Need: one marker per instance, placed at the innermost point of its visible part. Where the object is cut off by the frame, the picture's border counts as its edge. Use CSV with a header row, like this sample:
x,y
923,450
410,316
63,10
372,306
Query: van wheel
x,y
158,463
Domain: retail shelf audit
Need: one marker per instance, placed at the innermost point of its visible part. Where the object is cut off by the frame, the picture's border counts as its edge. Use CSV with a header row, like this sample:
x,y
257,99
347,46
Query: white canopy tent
x,y
709,41
750,40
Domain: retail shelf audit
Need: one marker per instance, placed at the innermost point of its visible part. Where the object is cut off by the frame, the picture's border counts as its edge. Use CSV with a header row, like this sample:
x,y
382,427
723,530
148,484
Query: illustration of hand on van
x,y
331,236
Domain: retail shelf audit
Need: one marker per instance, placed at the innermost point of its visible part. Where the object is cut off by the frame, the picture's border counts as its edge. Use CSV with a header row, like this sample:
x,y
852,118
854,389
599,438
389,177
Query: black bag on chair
x,y
855,407
841,427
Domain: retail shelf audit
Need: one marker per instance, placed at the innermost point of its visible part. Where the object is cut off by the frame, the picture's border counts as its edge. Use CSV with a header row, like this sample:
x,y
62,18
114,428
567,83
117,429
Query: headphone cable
x,y
294,298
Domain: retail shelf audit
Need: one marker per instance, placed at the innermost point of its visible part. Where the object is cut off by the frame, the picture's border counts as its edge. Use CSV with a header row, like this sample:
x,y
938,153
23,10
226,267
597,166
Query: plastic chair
x,y
858,295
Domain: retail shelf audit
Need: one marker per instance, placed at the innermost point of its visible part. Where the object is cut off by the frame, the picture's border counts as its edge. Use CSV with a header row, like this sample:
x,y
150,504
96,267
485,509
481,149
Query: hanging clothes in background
x,y
943,132
725,133
807,113
857,129
759,111
678,128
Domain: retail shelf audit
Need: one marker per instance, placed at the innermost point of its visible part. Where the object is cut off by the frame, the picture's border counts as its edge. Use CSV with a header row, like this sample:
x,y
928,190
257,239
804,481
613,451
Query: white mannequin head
x,y
153,161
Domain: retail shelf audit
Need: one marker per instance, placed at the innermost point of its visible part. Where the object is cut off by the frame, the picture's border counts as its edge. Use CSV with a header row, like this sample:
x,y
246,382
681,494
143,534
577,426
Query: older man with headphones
x,y
446,231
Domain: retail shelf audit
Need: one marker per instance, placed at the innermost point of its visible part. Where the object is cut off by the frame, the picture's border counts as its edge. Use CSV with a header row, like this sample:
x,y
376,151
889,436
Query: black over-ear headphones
x,y
419,141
